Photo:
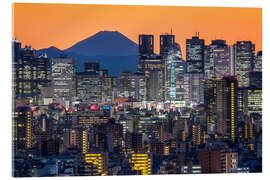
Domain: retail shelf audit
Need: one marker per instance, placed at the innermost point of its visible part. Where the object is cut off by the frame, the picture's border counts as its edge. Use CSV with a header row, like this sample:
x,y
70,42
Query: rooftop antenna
x,y
171,31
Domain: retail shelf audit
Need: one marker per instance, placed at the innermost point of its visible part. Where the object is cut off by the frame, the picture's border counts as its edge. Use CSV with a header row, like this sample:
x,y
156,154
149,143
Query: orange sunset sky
x,y
62,25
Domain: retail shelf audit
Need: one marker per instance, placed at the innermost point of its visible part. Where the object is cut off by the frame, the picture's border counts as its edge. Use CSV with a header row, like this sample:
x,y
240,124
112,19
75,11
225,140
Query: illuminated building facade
x,y
142,163
166,42
125,83
245,54
195,50
63,72
146,50
174,74
90,87
23,128
30,73
96,164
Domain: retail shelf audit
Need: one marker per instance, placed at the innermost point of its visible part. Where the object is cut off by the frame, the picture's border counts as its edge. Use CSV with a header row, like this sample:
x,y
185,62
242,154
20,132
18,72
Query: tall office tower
x,y
96,164
245,51
174,74
146,50
210,100
125,86
23,128
134,142
193,84
109,85
195,54
227,108
89,87
63,72
155,85
221,58
150,66
91,66
138,83
30,73
166,42
142,163
258,62
208,62
217,60
195,68
210,161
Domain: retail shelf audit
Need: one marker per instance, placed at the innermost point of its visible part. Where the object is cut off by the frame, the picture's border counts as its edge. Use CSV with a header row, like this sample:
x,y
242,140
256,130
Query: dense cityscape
x,y
201,114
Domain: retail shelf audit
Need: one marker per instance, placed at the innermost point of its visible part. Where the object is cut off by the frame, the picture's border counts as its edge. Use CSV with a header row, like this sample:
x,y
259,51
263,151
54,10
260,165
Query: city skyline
x,y
83,21
108,106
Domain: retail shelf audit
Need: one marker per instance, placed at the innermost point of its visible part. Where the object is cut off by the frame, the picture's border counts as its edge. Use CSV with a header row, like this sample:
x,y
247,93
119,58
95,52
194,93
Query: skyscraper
x,y
30,73
174,74
63,73
195,54
245,52
221,58
166,42
146,50
89,87
195,68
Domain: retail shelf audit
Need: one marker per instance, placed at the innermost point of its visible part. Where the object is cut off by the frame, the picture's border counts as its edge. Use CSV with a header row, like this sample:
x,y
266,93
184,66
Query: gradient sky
x,y
62,25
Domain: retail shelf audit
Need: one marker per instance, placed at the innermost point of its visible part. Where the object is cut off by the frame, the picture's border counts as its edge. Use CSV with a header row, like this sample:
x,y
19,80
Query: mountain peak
x,y
105,43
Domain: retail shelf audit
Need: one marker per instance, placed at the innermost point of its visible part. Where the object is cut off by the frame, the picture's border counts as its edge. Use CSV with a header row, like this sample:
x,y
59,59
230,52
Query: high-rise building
x,y
125,86
109,86
30,73
89,87
153,69
193,84
166,42
195,50
63,73
174,74
210,100
227,108
146,50
221,56
146,45
138,83
155,86
245,53
195,54
221,105
142,163
218,60
23,128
